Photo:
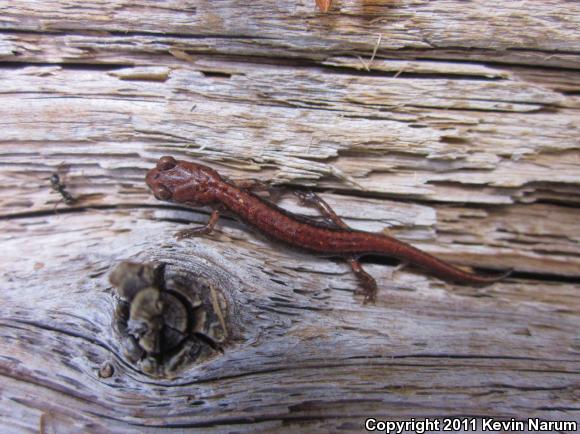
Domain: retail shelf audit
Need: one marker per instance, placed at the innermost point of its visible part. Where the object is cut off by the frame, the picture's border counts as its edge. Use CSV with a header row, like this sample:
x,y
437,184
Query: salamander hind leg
x,y
367,282
200,230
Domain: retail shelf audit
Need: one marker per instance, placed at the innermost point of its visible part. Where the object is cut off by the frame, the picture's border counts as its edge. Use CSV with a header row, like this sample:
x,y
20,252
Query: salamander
x,y
194,184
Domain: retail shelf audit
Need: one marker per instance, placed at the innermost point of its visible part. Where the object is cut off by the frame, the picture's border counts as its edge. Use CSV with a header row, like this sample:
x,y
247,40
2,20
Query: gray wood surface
x,y
454,125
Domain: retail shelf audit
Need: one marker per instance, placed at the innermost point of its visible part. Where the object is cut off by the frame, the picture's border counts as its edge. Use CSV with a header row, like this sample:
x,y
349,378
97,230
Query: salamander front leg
x,y
200,230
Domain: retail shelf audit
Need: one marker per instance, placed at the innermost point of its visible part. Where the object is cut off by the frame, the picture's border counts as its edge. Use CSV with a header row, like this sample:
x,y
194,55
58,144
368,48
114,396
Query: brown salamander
x,y
195,184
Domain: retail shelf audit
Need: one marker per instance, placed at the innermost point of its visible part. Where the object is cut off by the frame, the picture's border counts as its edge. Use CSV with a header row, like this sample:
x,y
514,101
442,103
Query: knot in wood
x,y
166,320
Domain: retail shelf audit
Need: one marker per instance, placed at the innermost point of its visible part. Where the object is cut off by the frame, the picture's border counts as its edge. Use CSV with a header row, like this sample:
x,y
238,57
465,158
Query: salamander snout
x,y
157,178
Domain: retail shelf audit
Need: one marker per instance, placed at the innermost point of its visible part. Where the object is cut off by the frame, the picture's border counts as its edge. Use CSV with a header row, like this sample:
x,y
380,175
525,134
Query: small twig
x,y
367,66
400,71
217,308
346,178
375,49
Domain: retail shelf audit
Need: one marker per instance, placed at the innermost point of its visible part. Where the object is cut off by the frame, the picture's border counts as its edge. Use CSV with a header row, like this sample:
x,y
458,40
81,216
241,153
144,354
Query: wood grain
x,y
460,136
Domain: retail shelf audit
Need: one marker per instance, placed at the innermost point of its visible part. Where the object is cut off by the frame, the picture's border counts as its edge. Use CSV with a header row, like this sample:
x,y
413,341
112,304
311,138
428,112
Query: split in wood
x,y
167,321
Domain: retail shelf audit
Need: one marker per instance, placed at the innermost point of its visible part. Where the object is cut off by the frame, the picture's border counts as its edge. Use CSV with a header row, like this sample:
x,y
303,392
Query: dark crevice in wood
x,y
129,34
450,56
75,209
549,52
384,360
557,203
16,31
397,197
162,34
353,72
68,65
79,66
520,275
177,220
558,409
415,53
530,388
544,277
215,74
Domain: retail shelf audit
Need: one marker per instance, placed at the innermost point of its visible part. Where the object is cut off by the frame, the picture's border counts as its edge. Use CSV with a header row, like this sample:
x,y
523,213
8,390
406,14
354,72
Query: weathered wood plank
x,y
446,138
143,113
517,342
460,136
538,32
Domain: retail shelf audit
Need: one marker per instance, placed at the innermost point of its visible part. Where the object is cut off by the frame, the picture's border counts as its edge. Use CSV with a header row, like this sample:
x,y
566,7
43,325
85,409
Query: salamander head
x,y
183,182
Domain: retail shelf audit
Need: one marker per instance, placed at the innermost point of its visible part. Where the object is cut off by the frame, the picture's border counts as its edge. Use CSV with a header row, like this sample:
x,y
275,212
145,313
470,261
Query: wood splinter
x,y
324,5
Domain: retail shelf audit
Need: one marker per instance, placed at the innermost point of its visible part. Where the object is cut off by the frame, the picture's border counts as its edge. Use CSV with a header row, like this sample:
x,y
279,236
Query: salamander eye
x,y
161,192
166,163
